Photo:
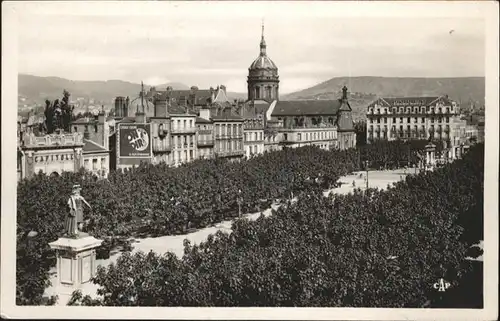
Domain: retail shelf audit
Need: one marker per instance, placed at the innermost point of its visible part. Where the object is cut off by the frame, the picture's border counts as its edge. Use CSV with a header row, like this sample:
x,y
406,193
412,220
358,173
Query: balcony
x,y
53,140
205,132
225,136
202,143
230,153
161,146
188,130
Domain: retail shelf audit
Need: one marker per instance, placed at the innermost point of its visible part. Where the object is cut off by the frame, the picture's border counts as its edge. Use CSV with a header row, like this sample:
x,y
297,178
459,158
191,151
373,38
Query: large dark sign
x,y
135,140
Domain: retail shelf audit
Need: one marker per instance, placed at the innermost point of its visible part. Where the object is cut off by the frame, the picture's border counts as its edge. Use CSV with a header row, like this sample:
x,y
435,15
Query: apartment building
x,y
411,118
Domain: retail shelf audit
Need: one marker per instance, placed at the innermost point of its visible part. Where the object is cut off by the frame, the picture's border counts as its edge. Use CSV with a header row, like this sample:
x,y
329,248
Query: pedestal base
x,y
76,263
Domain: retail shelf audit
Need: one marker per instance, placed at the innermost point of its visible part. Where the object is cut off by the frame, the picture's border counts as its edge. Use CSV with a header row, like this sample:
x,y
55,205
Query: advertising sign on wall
x,y
135,140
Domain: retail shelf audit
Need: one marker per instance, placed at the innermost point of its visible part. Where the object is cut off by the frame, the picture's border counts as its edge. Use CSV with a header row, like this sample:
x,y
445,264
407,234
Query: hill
x,y
364,90
34,90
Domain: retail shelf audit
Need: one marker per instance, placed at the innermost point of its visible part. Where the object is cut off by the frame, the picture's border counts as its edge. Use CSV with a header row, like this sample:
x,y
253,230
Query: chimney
x,y
101,117
161,109
212,94
140,117
126,107
86,134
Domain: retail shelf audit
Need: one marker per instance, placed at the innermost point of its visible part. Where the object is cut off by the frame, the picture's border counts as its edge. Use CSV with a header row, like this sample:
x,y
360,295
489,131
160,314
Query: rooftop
x,y
412,101
92,147
306,107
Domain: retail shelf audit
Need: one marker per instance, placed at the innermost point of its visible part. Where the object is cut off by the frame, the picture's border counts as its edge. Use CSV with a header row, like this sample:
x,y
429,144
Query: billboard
x,y
134,140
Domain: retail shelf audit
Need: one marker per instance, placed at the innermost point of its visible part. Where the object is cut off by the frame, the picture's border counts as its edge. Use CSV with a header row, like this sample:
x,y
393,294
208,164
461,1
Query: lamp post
x,y
366,167
239,203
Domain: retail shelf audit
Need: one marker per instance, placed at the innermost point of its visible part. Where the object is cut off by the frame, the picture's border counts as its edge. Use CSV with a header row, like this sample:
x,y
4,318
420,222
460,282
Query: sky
x,y
211,44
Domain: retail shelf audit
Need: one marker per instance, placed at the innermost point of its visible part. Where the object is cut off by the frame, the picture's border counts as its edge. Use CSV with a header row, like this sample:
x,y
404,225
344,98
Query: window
x,y
75,129
260,135
190,154
423,119
401,110
416,119
103,163
255,135
393,119
432,119
246,137
86,164
385,120
378,120
307,136
96,129
409,120
423,110
447,119
394,110
401,119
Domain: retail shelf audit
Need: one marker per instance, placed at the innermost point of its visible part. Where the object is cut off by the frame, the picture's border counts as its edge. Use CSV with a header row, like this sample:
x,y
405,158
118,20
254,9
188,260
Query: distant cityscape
x,y
179,126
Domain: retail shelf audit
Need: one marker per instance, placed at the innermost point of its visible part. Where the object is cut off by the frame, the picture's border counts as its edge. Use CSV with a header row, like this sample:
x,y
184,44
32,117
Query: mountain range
x,y
34,90
364,90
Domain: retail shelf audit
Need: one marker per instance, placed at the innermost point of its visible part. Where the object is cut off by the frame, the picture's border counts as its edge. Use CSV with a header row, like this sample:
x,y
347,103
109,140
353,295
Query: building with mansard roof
x,y
431,118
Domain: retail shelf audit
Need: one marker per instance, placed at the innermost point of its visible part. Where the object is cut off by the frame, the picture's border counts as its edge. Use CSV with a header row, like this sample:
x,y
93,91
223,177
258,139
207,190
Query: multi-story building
x,y
253,129
60,151
205,132
161,133
411,118
183,132
95,129
95,158
228,129
433,118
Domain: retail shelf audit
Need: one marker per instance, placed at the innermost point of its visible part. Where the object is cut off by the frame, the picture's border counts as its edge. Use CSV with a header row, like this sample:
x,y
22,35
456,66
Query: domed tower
x,y
263,80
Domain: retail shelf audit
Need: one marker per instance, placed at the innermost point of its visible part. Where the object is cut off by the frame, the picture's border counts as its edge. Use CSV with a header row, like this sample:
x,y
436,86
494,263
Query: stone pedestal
x,y
76,263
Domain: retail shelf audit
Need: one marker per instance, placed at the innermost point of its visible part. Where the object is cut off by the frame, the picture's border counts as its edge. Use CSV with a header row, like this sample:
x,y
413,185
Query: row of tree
x,y
366,249
156,200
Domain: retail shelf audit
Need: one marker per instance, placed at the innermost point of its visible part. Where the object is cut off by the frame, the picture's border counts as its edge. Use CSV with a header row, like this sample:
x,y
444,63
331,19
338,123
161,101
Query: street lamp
x,y
366,167
240,200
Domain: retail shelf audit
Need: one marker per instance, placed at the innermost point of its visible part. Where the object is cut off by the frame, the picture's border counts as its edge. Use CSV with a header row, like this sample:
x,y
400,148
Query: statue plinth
x,y
76,263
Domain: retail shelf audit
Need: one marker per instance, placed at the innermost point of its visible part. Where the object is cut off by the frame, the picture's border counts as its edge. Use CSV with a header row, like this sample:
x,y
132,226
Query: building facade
x,y
411,118
430,118
95,159
51,154
205,135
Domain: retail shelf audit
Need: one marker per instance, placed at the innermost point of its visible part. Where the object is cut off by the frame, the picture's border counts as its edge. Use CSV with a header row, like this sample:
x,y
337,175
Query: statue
x,y
344,92
74,220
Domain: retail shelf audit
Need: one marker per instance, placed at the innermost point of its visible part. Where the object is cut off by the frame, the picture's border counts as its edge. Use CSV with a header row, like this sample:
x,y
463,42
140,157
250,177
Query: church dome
x,y
263,62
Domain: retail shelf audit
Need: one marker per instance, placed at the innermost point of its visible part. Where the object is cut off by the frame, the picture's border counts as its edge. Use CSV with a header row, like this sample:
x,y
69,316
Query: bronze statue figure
x,y
74,220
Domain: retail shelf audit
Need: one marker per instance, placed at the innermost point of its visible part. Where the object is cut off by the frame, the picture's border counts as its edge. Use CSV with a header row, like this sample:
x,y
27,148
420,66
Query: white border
x,y
487,10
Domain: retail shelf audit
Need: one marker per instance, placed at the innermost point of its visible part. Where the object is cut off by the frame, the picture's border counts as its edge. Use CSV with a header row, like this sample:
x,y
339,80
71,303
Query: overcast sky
x,y
207,44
